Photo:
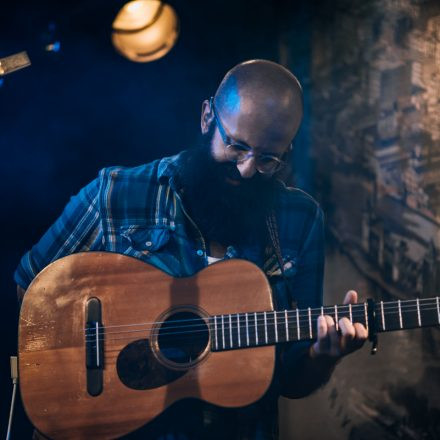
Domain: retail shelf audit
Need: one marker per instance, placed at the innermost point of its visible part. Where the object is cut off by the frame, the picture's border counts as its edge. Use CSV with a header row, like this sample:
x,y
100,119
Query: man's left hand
x,y
336,344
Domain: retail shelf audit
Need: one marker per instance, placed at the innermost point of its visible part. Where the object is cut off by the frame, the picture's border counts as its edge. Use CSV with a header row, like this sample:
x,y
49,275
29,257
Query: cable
x,y
14,377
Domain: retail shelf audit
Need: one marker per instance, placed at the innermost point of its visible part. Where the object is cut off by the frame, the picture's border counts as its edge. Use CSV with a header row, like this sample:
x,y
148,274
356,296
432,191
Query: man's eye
x,y
266,159
240,148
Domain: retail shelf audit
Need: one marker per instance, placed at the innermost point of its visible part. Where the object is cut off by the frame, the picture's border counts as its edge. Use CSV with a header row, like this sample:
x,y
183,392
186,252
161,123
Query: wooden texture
x,y
52,349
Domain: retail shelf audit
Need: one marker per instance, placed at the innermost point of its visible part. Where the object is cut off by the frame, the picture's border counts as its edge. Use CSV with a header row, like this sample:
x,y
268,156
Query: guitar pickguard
x,y
139,369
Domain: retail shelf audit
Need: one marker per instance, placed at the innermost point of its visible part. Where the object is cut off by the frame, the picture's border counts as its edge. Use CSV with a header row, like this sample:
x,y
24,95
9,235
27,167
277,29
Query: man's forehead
x,y
260,104
265,133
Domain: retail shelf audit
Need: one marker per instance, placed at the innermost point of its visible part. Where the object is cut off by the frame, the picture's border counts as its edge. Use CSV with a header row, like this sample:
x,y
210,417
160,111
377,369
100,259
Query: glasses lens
x,y
236,153
268,165
265,164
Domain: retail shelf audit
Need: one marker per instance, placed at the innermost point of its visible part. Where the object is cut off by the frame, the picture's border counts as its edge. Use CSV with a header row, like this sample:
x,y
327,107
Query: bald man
x,y
218,201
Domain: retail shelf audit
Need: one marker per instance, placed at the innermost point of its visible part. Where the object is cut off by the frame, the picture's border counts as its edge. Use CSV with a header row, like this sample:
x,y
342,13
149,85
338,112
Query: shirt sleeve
x,y
77,229
307,288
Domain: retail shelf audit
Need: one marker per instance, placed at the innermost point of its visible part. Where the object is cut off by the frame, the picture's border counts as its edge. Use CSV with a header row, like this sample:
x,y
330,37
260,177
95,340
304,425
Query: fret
x,y
322,311
400,314
238,330
438,309
350,311
256,329
410,314
265,327
233,337
215,332
287,325
272,331
429,312
343,311
419,319
382,314
230,331
223,331
247,329
310,323
392,315
336,318
297,324
366,315
252,330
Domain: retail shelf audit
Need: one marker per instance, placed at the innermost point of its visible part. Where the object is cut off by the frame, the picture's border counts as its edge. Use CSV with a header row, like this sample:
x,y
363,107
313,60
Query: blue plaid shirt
x,y
138,212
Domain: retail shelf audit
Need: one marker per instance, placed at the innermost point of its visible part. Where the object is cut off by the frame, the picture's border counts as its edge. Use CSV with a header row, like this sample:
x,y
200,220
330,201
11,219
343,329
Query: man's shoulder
x,y
151,172
131,195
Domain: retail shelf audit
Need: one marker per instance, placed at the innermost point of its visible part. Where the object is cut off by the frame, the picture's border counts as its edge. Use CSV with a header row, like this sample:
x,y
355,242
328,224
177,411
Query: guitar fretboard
x,y
253,329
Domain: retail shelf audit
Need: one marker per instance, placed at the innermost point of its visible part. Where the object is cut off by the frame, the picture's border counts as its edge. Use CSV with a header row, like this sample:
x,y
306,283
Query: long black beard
x,y
225,213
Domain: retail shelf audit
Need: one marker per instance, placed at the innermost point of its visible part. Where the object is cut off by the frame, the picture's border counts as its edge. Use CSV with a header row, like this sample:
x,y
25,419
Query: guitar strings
x,y
357,311
304,323
361,306
269,319
304,330
360,310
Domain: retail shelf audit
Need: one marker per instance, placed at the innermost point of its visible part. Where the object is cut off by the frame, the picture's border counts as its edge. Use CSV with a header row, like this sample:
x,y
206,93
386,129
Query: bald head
x,y
262,97
259,105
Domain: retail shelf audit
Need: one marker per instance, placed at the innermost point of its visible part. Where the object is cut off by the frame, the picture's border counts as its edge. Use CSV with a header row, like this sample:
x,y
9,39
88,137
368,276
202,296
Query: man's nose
x,y
247,168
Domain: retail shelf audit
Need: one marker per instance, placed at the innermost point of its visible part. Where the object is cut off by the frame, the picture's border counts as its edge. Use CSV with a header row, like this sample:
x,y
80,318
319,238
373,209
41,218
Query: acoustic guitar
x,y
108,342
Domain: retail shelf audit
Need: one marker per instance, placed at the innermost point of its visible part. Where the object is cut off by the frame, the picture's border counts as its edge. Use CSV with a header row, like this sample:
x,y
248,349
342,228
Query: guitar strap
x,y
272,228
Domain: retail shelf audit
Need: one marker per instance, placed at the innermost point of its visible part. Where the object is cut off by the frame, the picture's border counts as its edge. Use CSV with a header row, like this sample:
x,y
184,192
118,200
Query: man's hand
x,y
334,344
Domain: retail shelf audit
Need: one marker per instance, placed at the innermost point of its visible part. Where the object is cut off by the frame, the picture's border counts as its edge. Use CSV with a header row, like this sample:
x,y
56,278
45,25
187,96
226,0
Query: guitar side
x,y
52,349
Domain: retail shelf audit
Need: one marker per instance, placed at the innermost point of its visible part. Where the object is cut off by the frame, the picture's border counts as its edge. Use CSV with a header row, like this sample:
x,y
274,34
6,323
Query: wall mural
x,y
376,89
375,127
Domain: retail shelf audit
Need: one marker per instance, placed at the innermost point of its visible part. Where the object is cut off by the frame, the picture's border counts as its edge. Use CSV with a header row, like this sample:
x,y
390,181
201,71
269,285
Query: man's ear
x,y
207,116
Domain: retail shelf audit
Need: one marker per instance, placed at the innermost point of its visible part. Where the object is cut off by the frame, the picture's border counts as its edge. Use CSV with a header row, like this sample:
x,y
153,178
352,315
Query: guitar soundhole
x,y
182,338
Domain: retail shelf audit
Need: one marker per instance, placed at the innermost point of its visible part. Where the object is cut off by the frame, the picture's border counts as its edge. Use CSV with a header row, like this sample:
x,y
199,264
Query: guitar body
x,y
141,373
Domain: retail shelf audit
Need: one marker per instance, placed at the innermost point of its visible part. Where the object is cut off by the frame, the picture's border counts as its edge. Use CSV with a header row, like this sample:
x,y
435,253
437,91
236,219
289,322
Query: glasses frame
x,y
229,142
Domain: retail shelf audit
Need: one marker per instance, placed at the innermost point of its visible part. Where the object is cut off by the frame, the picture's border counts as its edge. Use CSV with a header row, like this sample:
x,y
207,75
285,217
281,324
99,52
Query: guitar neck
x,y
253,329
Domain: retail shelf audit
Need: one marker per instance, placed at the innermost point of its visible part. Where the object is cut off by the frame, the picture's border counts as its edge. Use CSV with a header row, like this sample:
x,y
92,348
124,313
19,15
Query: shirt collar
x,y
167,169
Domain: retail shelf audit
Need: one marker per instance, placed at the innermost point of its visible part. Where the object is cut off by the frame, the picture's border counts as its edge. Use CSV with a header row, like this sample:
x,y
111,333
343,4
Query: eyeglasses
x,y
238,152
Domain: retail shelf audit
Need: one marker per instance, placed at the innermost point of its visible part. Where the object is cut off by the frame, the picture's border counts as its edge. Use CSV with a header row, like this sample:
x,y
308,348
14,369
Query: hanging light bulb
x,y
145,30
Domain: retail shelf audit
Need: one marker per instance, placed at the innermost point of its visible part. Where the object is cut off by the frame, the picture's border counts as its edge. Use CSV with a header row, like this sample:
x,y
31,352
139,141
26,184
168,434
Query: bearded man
x,y
221,200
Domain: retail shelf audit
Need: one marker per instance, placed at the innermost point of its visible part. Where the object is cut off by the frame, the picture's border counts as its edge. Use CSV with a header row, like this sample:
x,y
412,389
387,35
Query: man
x,y
222,200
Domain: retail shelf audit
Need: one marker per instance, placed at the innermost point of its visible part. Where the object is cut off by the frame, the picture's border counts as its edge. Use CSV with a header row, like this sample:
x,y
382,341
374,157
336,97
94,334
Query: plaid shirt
x,y
138,212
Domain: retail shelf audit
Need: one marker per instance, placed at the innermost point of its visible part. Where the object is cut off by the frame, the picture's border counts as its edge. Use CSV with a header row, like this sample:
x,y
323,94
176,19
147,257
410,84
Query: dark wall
x,y
85,107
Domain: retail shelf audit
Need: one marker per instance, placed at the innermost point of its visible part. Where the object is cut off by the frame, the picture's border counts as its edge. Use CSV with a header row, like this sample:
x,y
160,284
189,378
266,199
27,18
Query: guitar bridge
x,y
94,333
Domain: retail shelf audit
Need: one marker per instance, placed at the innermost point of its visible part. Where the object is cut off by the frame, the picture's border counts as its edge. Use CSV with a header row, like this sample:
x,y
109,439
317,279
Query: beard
x,y
225,213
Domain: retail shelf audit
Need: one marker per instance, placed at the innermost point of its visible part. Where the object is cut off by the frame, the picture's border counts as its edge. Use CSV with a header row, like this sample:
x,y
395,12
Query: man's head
x,y
257,108
258,104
